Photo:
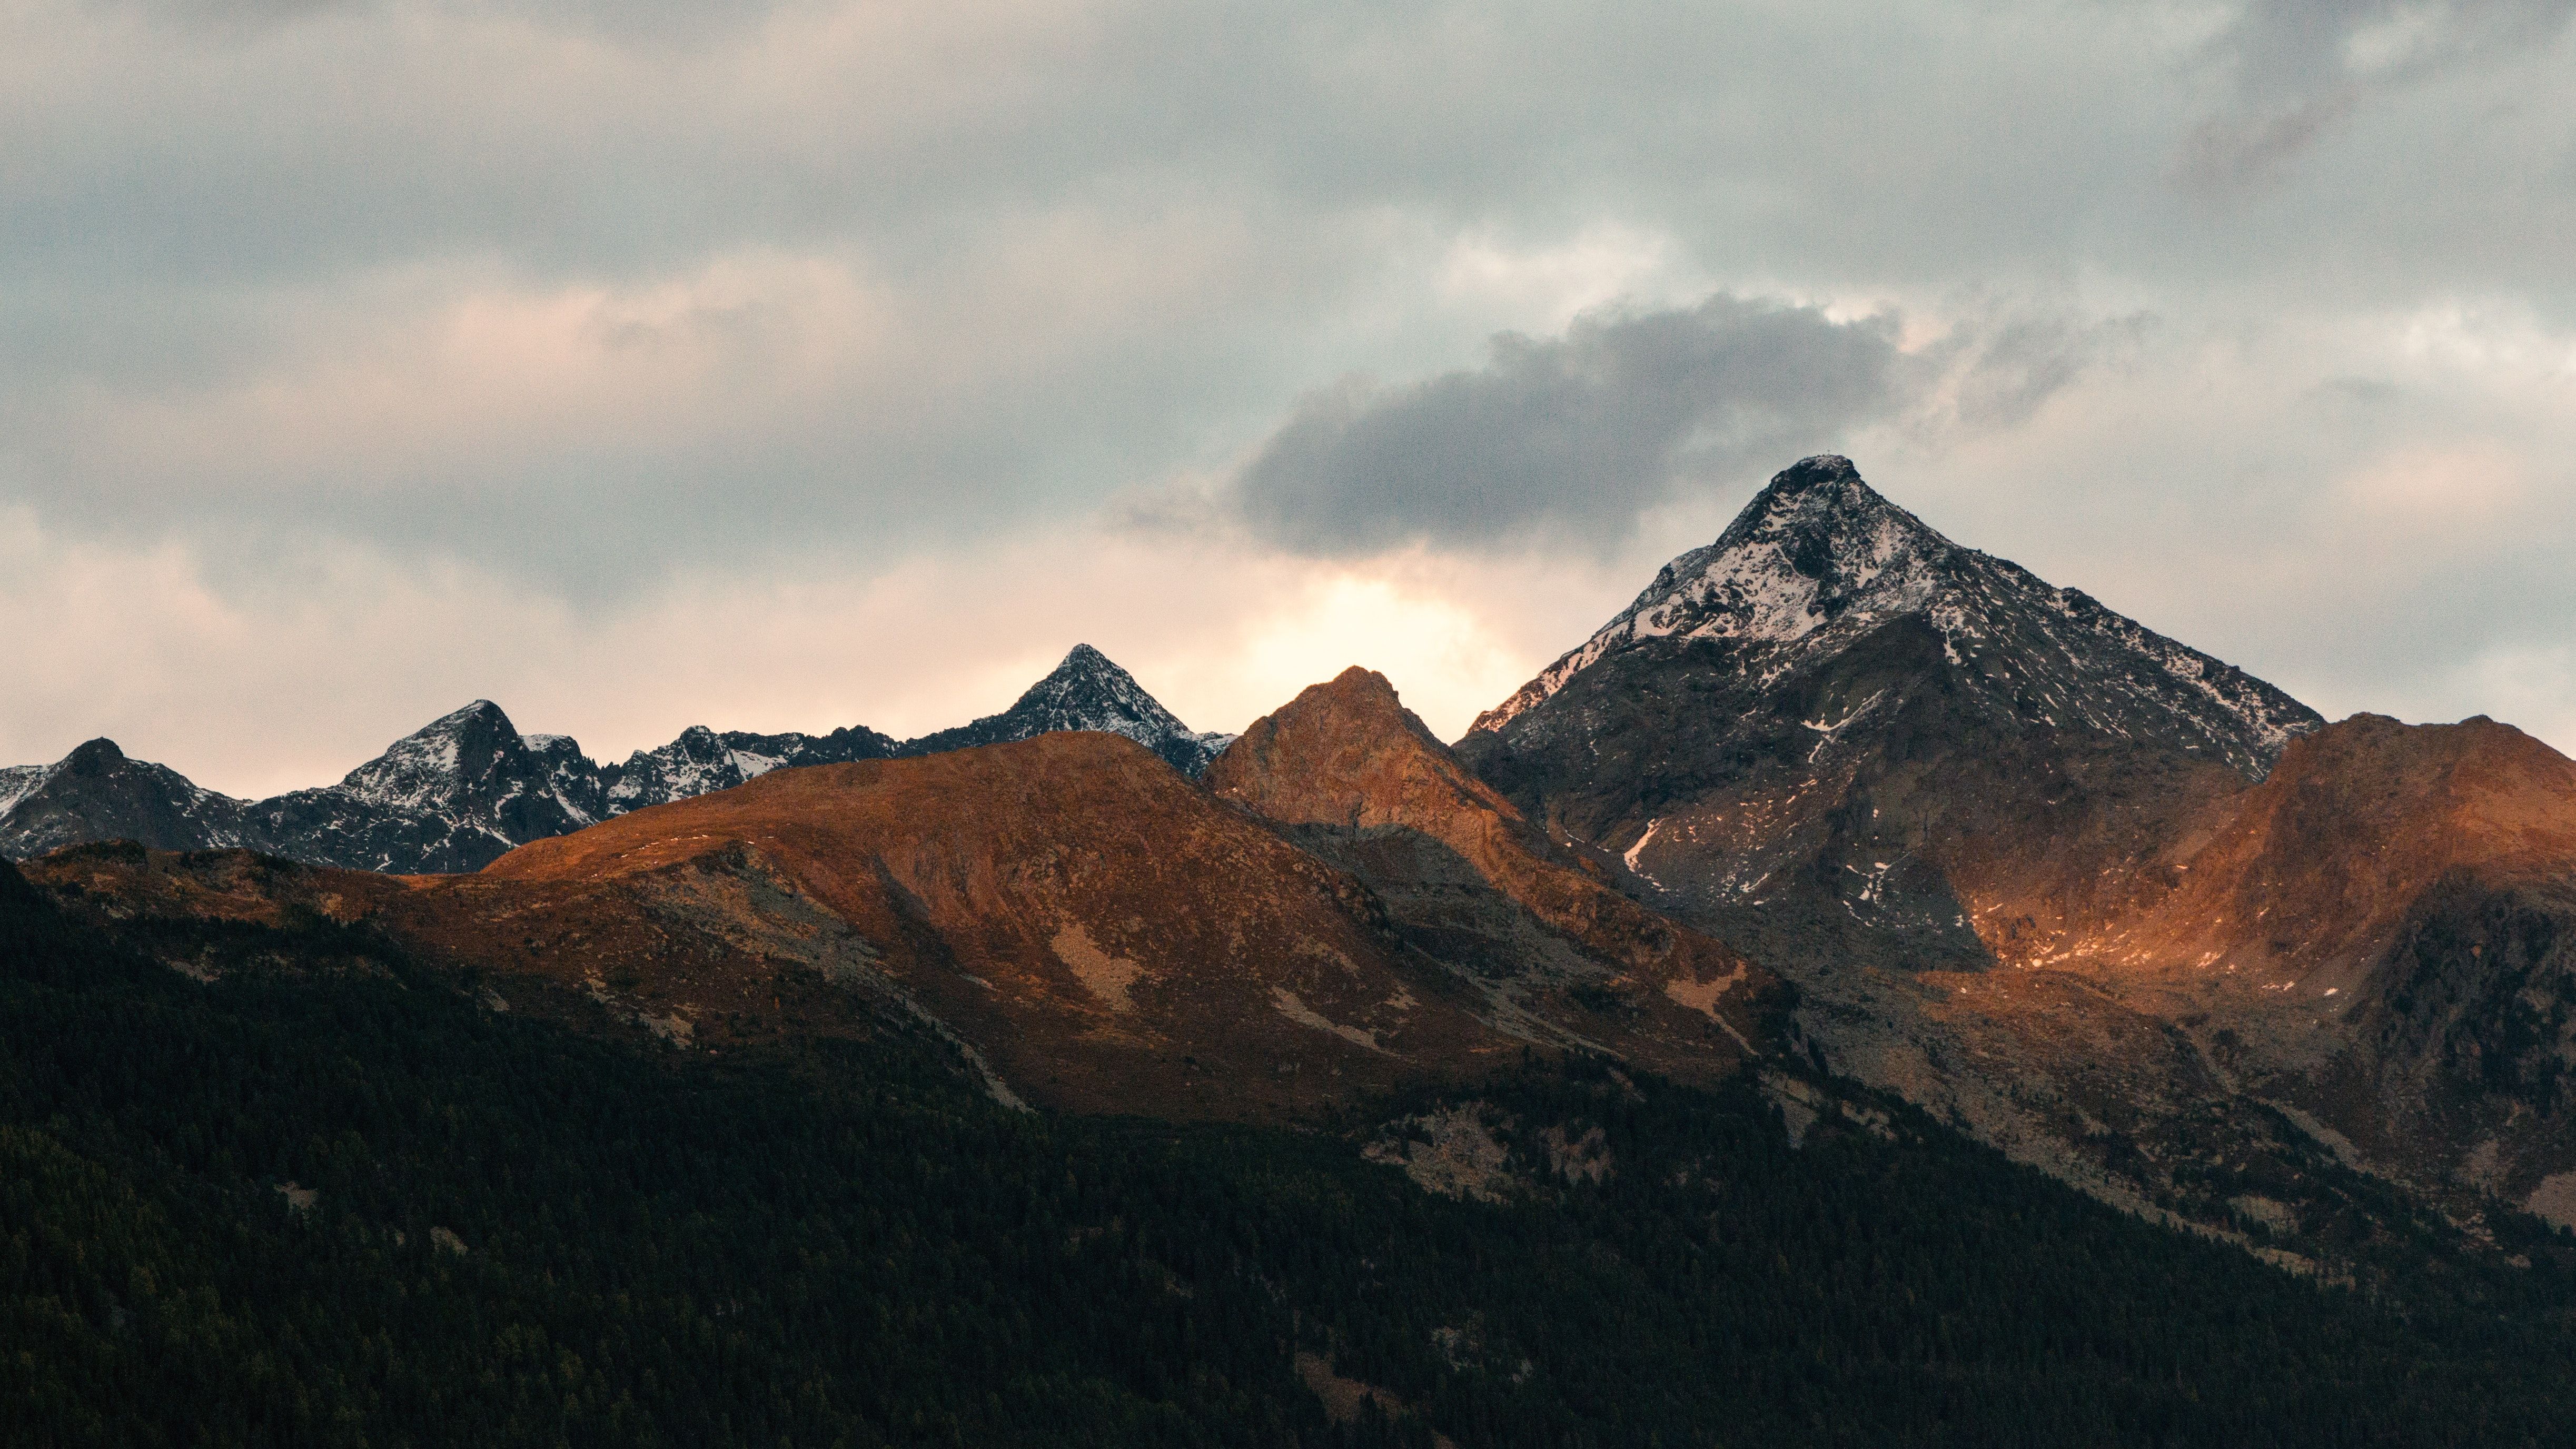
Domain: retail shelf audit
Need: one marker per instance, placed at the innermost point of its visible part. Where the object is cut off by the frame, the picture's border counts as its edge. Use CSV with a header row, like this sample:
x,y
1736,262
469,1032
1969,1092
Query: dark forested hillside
x,y
329,1199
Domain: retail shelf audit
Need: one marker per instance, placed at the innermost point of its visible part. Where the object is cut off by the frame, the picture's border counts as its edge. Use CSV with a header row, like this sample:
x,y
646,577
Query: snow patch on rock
x,y
1819,559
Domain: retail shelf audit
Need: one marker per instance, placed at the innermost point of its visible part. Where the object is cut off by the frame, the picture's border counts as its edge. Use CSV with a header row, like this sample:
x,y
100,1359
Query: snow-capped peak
x,y
1087,691
1816,547
1818,559
439,762
699,762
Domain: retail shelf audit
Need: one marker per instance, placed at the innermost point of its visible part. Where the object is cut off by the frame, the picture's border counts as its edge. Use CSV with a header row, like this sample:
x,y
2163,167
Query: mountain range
x,y
2112,904
1834,796
466,788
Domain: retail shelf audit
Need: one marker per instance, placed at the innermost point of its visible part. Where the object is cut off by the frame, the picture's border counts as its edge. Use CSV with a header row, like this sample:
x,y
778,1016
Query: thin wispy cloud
x,y
2298,70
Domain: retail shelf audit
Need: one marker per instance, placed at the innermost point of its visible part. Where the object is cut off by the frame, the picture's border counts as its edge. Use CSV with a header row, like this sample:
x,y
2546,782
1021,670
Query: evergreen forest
x,y
333,1200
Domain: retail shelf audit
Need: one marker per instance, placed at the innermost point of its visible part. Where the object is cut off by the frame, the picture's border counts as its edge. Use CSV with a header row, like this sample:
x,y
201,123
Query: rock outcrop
x,y
1355,777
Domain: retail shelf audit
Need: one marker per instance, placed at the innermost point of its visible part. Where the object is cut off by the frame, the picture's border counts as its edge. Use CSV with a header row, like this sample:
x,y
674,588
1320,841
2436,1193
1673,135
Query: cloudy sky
x,y
794,364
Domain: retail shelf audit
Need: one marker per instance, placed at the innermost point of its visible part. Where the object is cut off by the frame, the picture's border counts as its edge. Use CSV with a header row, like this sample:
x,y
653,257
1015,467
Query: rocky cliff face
x,y
701,761
2382,935
2235,943
1832,727
1355,777
454,795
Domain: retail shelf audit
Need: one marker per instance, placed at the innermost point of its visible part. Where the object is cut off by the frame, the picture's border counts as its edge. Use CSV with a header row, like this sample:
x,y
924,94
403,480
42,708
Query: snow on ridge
x,y
467,786
1087,691
1819,559
16,781
1802,556
426,767
751,766
411,774
694,763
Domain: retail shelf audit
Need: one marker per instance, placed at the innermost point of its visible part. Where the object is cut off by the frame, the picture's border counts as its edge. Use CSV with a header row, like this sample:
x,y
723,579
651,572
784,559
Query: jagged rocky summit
x,y
1819,561
467,788
1085,692
1833,722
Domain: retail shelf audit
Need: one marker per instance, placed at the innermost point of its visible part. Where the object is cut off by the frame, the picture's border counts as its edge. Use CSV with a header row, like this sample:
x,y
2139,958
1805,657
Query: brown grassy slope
x,y
1105,933
2383,932
121,880
2316,868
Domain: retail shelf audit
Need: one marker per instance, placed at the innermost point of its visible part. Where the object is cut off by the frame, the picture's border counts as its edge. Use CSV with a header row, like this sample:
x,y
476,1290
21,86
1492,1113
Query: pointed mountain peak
x,y
1815,542
1819,513
1084,659
1085,669
1819,560
1817,551
696,762
1356,690
482,712
472,727
695,748
1809,473
440,761
96,757
1357,702
1347,755
1823,494
1347,752
1087,691
1360,706
98,792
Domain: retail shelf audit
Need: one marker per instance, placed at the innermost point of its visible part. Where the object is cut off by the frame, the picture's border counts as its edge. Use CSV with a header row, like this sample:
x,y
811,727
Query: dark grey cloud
x,y
1575,434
